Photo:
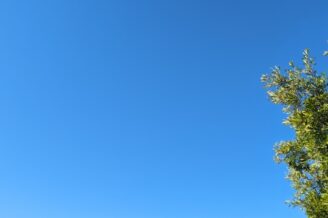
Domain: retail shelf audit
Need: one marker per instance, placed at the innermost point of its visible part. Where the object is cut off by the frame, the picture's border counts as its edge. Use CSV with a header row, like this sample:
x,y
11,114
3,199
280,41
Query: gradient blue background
x,y
147,109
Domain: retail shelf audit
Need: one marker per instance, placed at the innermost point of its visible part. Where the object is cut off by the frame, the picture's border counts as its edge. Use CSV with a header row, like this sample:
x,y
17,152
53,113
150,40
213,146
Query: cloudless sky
x,y
147,109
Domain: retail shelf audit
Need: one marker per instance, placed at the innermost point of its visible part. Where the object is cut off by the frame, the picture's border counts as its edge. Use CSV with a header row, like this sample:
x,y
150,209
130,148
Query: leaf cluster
x,y
303,94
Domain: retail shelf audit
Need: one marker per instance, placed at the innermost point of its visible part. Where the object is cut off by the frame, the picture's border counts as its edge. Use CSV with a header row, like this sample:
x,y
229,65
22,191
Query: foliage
x,y
303,94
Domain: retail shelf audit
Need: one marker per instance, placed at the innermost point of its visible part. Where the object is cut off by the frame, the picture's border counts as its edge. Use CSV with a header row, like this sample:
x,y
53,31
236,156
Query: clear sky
x,y
147,109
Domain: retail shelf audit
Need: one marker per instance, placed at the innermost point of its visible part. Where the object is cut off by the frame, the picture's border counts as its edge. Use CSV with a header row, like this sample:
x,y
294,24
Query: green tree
x,y
303,94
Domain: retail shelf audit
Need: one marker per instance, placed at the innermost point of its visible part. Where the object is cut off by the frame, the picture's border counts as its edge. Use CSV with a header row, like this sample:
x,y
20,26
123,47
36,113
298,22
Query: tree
x,y
303,94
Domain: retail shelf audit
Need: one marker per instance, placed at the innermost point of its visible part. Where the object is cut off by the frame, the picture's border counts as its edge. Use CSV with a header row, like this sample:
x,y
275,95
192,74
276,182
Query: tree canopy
x,y
302,92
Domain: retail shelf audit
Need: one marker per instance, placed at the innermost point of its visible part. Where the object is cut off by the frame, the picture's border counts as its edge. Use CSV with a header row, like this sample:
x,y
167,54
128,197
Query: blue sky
x,y
147,109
